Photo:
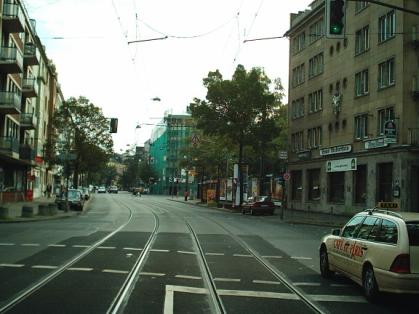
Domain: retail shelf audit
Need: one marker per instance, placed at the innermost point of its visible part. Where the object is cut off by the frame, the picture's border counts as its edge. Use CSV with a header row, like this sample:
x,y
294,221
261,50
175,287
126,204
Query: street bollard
x,y
27,211
43,210
4,212
52,209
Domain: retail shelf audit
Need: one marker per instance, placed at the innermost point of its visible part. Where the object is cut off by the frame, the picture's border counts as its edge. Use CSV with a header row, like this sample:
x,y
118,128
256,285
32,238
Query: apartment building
x,y
354,109
29,93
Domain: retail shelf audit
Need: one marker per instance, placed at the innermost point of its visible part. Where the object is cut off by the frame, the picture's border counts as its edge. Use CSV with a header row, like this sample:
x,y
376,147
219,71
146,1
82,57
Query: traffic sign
x,y
195,140
286,176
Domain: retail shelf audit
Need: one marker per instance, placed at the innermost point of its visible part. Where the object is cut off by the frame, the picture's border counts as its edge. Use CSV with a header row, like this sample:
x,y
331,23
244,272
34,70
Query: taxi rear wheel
x,y
369,284
324,264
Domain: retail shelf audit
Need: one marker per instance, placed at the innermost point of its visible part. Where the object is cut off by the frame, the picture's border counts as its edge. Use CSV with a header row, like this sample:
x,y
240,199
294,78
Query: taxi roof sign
x,y
388,205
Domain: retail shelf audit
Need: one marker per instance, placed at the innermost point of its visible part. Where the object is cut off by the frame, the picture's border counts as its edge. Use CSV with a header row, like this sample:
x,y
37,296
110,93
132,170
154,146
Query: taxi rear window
x,y
413,231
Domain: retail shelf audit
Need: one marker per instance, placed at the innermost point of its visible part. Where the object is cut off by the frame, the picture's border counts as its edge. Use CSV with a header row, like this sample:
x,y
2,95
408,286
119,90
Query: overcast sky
x,y
88,42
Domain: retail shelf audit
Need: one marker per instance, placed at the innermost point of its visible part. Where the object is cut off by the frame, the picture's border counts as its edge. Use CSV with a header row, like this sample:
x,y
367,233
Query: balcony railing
x,y
11,60
27,152
413,135
13,18
30,54
10,102
29,87
9,144
28,121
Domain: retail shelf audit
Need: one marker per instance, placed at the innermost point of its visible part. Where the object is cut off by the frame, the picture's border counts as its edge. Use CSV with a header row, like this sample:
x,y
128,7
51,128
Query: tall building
x,y
29,93
166,145
354,109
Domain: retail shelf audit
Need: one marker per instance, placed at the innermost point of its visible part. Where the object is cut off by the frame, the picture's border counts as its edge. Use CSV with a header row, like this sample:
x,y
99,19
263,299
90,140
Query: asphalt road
x,y
155,255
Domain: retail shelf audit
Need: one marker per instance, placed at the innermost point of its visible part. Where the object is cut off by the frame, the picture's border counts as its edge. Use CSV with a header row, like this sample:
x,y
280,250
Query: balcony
x,y
30,54
29,87
28,121
10,102
13,18
11,60
9,146
27,152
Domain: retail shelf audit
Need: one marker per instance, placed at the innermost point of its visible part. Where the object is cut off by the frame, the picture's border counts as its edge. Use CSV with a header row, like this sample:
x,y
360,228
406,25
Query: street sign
x,y
286,176
195,140
283,154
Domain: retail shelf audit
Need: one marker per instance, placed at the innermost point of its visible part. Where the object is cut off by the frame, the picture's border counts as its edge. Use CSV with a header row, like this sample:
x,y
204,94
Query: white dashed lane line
x,y
7,244
44,267
227,279
242,255
188,277
186,252
301,257
214,254
81,246
266,282
307,284
79,269
107,247
162,251
30,244
57,245
12,265
152,274
114,271
272,256
132,249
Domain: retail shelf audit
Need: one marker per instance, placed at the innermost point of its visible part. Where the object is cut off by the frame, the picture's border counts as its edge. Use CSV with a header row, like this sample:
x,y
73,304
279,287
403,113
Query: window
x,y
362,41
315,66
413,232
316,31
315,101
313,184
384,115
384,182
314,137
352,227
297,108
361,126
386,26
298,75
361,83
360,5
366,227
388,232
336,187
360,181
386,73
297,184
299,42
297,141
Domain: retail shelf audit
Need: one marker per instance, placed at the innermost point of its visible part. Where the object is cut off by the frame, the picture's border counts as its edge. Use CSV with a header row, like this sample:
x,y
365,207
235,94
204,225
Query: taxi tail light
x,y
401,264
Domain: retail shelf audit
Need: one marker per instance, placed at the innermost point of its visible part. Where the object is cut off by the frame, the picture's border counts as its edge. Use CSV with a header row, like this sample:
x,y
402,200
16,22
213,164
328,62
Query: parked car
x,y
378,249
259,205
75,200
113,189
101,189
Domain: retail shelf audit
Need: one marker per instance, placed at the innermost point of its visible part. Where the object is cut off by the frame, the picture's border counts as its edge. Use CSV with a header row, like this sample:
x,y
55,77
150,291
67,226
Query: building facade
x,y
354,109
29,93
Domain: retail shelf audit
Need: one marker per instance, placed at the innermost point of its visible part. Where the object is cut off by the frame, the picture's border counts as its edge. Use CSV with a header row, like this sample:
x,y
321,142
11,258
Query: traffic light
x,y
335,18
114,125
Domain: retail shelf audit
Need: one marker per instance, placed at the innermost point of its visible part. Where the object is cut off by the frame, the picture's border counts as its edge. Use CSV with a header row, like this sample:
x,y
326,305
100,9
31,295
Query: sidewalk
x,y
15,211
289,216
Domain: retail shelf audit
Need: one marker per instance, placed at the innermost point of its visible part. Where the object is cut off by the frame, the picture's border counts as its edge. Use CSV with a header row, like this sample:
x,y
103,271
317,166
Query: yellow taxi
x,y
378,249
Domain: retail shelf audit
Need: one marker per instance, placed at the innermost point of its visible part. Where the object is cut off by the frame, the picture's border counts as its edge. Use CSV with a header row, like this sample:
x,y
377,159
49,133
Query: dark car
x,y
113,189
259,205
75,200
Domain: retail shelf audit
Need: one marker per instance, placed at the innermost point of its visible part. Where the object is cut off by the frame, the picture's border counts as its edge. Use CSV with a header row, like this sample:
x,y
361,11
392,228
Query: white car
x,y
101,189
378,249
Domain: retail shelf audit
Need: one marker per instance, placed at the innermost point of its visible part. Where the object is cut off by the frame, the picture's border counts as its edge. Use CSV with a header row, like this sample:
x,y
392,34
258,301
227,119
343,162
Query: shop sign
x,y
390,129
304,155
283,154
341,149
347,164
375,143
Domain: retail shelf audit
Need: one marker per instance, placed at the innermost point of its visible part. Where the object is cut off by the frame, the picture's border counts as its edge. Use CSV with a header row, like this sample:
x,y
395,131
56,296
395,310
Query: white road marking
x,y
186,252
30,244
242,255
114,271
170,293
107,247
338,298
312,284
272,256
80,269
152,274
337,285
57,245
227,279
259,294
7,244
157,250
132,249
267,282
214,254
301,257
44,267
12,265
188,277
83,246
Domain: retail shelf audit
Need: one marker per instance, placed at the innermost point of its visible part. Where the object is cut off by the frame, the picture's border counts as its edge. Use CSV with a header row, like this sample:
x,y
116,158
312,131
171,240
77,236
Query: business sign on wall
x,y
341,149
347,164
375,143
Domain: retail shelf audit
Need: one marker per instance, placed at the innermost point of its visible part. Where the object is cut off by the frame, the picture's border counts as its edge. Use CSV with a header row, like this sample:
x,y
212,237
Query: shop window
x,y
337,187
360,183
314,184
384,182
296,185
